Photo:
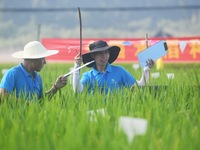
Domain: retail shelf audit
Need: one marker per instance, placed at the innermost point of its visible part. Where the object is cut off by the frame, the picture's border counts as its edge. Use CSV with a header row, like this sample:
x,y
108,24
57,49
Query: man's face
x,y
38,64
101,58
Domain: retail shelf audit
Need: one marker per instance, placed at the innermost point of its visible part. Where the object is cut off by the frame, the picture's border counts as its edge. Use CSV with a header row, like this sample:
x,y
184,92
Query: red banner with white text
x,y
179,49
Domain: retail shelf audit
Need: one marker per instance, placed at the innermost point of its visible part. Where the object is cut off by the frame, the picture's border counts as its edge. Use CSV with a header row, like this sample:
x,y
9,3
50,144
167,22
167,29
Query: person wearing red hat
x,y
103,75
24,78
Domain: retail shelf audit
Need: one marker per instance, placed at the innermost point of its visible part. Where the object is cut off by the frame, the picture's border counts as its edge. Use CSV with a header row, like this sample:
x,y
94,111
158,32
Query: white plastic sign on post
x,y
132,126
170,75
153,52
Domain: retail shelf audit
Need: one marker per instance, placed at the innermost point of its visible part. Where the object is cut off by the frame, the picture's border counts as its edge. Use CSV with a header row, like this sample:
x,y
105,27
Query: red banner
x,y
179,49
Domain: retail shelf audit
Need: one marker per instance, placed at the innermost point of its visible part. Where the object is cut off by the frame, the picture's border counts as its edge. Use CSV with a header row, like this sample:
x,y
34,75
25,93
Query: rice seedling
x,y
171,107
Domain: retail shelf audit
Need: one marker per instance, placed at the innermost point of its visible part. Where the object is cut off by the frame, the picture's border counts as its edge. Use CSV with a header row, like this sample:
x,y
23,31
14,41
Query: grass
x,y
63,123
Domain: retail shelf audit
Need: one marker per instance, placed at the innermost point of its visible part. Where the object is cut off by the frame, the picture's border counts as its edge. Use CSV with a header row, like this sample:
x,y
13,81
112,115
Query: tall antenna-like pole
x,y
79,12
146,38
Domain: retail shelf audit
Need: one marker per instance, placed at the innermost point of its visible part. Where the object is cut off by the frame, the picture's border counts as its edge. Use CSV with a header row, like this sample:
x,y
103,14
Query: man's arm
x,y
3,93
145,77
77,85
60,83
145,74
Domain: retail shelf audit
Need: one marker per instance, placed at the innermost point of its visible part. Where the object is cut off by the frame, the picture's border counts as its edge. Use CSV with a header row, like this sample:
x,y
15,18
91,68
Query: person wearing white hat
x,y
24,78
103,75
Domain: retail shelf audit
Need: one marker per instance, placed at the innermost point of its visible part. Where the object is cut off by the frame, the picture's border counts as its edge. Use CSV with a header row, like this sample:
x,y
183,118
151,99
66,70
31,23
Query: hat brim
x,y
114,52
47,53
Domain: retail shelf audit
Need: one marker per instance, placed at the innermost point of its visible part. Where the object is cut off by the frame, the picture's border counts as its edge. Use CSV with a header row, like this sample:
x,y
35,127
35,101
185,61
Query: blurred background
x,y
22,21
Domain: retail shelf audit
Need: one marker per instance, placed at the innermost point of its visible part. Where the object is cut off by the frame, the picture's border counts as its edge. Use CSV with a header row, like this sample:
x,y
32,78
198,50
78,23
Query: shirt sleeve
x,y
145,77
88,81
127,78
8,81
77,85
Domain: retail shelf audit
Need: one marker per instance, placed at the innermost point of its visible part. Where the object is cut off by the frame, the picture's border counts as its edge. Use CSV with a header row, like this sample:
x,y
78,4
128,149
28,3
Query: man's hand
x,y
78,59
61,81
3,93
150,63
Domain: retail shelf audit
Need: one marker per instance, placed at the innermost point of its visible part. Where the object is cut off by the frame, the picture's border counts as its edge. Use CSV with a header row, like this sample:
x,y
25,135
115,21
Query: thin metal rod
x,y
80,21
147,45
66,75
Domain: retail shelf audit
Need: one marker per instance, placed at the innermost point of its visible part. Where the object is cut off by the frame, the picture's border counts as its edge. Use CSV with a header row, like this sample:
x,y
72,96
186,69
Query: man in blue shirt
x,y
24,79
103,75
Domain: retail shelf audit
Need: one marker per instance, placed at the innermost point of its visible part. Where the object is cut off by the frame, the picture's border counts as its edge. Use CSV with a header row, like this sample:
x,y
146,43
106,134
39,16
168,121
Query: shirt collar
x,y
108,69
26,73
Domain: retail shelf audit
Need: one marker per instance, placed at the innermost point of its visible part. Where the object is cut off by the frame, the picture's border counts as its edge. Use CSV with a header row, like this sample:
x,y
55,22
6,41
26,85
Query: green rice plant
x,y
171,107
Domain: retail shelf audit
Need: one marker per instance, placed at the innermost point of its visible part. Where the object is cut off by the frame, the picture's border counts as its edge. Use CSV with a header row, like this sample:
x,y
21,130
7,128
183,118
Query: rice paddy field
x,y
170,106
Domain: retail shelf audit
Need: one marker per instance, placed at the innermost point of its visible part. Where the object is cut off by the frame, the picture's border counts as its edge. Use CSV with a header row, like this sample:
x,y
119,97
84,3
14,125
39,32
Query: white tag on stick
x,y
153,52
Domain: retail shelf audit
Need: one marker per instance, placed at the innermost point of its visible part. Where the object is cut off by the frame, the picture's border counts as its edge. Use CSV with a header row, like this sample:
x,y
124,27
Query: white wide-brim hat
x,y
34,50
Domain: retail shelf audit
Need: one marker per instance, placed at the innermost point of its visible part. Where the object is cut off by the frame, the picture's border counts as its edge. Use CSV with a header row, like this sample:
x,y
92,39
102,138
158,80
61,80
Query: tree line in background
x,y
17,28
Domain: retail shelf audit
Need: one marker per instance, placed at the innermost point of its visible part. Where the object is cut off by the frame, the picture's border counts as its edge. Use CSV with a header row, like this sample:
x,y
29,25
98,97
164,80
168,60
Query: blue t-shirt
x,y
114,78
19,80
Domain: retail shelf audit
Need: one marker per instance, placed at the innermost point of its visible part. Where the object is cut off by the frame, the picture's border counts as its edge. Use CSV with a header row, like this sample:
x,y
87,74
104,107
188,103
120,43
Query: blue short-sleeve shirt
x,y
114,78
19,80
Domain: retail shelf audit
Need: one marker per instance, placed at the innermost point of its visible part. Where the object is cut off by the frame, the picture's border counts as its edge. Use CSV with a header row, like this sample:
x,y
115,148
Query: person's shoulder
x,y
117,67
88,72
14,69
12,72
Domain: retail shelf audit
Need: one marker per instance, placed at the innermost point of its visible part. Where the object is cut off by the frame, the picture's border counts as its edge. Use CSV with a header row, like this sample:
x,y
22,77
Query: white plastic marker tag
x,y
78,68
92,113
153,52
170,75
136,66
132,126
155,75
